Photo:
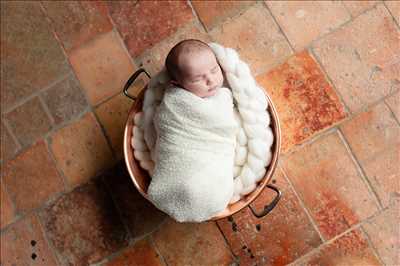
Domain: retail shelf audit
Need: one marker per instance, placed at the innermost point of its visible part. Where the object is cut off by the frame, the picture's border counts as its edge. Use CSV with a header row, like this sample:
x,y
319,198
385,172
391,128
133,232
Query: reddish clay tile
x,y
30,55
384,232
374,138
113,115
256,37
279,238
362,58
8,145
76,22
7,209
29,121
350,249
394,8
211,13
102,66
192,244
305,21
357,7
25,244
65,100
141,29
305,102
84,226
140,216
141,254
394,104
153,59
329,184
81,150
32,178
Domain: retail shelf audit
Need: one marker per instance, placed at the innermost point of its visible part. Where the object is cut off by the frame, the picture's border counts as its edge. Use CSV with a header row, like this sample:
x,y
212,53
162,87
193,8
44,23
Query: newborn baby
x,y
196,128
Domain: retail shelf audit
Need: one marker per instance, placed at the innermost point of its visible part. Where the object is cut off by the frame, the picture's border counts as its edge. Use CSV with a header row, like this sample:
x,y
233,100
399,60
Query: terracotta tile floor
x,y
331,68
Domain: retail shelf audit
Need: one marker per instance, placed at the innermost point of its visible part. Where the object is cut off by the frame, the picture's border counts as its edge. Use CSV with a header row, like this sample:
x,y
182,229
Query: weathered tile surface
x,y
84,226
374,138
140,28
113,115
102,66
357,7
81,150
26,244
29,121
305,101
8,145
31,178
139,215
394,8
305,21
394,104
362,58
7,209
192,244
350,249
384,232
282,236
31,57
140,254
65,100
76,22
256,37
329,184
211,13
153,59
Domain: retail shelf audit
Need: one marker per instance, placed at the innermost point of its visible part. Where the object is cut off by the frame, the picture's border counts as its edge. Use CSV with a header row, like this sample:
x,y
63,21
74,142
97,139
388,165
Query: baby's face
x,y
200,74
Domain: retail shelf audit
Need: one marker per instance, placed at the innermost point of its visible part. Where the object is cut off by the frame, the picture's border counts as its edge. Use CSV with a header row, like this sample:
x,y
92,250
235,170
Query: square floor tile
x,y
305,101
374,138
26,244
31,178
256,38
141,29
102,66
76,22
81,150
84,226
329,184
362,58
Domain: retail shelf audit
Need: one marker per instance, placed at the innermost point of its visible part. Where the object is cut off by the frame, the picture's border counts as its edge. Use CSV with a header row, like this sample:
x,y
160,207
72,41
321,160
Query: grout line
x,y
47,142
279,27
394,19
361,171
52,248
330,81
391,111
197,16
371,245
11,133
153,243
302,204
227,242
47,111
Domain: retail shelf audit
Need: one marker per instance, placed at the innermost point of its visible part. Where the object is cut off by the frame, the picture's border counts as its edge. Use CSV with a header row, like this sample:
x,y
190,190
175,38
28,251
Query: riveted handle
x,y
268,208
131,80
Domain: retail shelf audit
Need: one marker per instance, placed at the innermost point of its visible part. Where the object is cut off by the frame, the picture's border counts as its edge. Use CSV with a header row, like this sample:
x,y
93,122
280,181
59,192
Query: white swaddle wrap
x,y
195,149
254,137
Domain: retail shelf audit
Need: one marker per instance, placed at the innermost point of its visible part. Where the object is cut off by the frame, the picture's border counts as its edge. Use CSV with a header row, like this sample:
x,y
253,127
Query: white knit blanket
x,y
252,149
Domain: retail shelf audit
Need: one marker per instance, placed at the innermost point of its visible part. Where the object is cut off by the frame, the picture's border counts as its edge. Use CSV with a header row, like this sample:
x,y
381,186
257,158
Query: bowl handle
x,y
268,208
131,80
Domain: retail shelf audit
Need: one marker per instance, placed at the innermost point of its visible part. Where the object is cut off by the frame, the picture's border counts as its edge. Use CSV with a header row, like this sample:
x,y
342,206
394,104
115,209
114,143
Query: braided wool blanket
x,y
252,144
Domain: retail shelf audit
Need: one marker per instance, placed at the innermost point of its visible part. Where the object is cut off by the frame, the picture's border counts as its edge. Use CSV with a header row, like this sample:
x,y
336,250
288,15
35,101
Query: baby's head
x,y
192,65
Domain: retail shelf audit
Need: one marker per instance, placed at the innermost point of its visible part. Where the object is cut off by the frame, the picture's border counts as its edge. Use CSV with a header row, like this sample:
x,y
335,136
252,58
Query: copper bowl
x,y
141,178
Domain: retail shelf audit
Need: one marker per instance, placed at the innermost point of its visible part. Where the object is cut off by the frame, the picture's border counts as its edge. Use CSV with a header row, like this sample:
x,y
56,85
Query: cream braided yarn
x,y
254,138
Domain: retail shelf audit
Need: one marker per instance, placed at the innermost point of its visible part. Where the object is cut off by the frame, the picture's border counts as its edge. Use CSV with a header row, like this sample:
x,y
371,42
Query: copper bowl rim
x,y
134,168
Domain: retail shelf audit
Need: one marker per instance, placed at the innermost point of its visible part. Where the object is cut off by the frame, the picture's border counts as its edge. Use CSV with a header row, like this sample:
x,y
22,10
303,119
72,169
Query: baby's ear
x,y
174,82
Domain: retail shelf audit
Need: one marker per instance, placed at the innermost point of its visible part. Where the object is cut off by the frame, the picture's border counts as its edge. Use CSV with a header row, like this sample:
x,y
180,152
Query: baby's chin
x,y
210,93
